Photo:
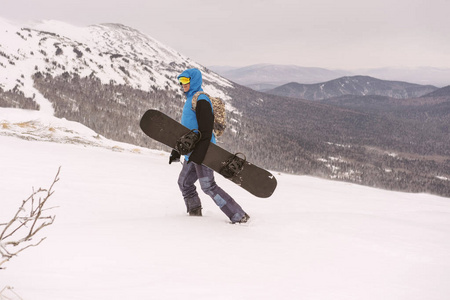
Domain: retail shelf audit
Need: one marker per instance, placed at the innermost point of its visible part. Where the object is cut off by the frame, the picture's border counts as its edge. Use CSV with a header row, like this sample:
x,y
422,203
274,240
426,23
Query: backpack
x,y
219,112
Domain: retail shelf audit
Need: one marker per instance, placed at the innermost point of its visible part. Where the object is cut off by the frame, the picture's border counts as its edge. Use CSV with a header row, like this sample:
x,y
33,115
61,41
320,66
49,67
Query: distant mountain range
x,y
266,76
269,76
354,85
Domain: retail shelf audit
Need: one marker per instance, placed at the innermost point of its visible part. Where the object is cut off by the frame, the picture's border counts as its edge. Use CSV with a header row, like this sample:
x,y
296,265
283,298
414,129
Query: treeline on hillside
x,y
371,149
420,125
111,110
16,99
315,122
358,164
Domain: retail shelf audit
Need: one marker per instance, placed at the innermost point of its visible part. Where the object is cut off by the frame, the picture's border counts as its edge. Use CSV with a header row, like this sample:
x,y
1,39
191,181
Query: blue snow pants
x,y
192,172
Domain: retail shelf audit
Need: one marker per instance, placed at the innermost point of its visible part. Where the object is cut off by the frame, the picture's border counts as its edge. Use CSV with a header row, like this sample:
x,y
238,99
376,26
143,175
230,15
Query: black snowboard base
x,y
235,167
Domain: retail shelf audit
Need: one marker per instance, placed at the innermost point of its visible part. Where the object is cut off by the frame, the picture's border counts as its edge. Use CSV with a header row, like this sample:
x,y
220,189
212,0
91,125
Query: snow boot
x,y
244,219
197,212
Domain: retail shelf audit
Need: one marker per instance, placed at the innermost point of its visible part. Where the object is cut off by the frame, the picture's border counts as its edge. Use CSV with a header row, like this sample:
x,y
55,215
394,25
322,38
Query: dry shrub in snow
x,y
31,217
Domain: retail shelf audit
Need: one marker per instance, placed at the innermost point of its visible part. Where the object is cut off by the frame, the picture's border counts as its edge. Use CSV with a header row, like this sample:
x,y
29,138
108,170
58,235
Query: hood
x,y
196,80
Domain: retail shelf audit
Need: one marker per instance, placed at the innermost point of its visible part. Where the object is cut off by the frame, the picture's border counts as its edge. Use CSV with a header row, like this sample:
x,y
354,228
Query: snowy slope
x,y
113,53
121,231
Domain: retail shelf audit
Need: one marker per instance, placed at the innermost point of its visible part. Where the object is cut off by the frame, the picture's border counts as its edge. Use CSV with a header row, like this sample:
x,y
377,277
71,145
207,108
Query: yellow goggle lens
x,y
184,80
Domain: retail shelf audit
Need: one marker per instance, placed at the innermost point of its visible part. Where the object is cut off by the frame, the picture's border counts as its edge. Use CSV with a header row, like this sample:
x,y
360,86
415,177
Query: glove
x,y
174,157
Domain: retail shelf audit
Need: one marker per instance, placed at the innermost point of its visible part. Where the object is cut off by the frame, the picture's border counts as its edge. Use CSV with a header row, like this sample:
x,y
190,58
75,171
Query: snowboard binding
x,y
186,143
233,166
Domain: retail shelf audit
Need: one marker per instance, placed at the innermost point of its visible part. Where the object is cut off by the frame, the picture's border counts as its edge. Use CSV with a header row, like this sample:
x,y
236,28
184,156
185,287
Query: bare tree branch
x,y
9,290
29,219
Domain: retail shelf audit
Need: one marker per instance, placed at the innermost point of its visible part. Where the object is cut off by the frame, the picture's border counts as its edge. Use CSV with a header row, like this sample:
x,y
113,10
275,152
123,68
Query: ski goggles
x,y
184,80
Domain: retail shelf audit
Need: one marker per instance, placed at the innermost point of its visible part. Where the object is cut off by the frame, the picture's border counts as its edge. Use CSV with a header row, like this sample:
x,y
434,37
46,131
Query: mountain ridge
x,y
256,76
265,76
111,52
352,85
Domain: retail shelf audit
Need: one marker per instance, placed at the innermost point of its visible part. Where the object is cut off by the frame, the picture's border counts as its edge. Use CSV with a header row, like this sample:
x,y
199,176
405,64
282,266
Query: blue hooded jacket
x,y
189,117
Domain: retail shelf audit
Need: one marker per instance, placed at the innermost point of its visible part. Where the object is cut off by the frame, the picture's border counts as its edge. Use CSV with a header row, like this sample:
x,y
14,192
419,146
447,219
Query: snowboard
x,y
234,167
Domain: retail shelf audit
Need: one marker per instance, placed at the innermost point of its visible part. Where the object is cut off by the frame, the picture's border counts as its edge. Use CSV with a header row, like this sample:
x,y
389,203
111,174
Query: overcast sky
x,y
346,34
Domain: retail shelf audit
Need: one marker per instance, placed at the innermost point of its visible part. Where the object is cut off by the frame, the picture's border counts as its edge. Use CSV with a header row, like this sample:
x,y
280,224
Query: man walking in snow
x,y
201,119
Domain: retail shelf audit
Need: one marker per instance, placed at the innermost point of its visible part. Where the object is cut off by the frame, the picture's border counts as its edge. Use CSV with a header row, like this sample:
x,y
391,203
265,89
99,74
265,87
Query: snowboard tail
x,y
234,167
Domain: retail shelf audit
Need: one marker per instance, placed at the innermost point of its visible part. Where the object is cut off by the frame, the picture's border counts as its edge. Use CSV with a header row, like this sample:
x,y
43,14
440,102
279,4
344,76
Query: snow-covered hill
x,y
121,231
113,53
